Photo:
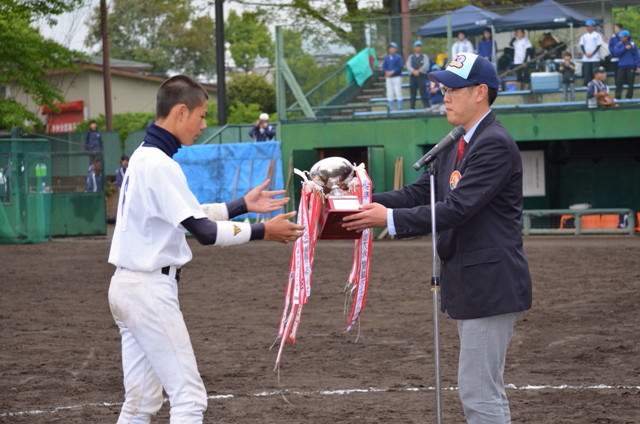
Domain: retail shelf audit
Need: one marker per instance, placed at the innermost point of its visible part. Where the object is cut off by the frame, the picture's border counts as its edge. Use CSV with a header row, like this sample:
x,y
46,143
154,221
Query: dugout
x,y
569,156
43,192
25,199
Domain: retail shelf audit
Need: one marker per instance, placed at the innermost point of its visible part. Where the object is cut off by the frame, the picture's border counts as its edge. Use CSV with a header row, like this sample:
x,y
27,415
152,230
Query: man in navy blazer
x,y
484,273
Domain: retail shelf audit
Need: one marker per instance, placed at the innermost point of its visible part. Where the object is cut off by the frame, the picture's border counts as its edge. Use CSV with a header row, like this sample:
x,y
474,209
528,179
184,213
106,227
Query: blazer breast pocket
x,y
481,256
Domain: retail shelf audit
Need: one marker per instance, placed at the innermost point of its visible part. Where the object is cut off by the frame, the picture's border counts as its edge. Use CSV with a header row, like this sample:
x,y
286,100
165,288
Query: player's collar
x,y
162,139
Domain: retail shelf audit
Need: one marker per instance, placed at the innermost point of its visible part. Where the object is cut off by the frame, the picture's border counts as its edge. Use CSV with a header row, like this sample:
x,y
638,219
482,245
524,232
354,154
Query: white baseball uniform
x,y
148,249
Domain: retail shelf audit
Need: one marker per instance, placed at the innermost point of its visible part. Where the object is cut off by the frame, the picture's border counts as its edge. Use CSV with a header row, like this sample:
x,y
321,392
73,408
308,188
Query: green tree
x,y
249,38
26,57
165,33
629,17
252,89
239,113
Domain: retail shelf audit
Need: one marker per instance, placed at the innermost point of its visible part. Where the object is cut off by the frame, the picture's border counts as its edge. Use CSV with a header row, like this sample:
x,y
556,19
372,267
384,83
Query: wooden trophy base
x,y
334,210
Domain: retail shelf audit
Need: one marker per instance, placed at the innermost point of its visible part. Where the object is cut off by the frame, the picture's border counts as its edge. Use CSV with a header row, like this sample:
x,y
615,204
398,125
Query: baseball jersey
x,y
590,41
154,200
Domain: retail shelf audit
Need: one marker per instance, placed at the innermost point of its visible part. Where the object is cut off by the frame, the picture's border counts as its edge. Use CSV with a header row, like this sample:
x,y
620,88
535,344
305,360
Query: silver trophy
x,y
333,174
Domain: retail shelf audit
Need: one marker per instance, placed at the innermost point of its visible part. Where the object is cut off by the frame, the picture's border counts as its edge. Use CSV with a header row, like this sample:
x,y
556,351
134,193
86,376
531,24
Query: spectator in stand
x,y
486,45
418,65
568,71
629,62
392,67
598,91
124,164
435,94
590,43
521,46
94,177
462,45
262,131
93,141
615,39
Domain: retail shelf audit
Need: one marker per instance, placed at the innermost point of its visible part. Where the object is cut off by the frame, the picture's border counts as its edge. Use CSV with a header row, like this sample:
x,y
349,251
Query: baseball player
x,y
149,248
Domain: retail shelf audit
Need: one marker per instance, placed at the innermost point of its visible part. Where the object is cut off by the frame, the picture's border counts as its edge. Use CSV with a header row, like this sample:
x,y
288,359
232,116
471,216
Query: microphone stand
x,y
435,289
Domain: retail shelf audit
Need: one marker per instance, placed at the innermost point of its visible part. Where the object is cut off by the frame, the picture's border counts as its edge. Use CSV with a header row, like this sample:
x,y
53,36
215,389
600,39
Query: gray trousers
x,y
483,348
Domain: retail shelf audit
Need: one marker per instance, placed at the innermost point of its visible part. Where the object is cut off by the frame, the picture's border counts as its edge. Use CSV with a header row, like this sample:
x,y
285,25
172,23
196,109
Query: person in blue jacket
x,y
485,277
613,41
262,131
628,63
485,46
392,67
93,142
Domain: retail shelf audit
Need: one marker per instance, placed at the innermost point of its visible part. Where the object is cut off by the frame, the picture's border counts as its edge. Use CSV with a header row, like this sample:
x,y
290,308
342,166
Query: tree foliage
x,y
249,38
252,89
628,16
169,34
26,57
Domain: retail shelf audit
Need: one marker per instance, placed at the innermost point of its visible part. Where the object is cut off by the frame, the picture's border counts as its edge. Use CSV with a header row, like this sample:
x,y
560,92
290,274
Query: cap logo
x,y
458,61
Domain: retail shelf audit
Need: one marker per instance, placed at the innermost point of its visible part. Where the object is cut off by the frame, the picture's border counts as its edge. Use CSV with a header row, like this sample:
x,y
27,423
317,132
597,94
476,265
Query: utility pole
x,y
220,71
406,27
106,66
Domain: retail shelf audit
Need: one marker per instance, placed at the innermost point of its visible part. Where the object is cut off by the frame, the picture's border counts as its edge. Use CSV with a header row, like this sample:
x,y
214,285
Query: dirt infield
x,y
59,351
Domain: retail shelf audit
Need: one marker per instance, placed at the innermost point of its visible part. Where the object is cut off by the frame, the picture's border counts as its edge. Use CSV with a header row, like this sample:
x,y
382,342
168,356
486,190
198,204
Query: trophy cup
x,y
334,174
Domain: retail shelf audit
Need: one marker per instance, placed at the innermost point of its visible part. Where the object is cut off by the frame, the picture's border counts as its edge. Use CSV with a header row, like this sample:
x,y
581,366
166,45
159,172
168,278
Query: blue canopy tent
x,y
470,19
546,14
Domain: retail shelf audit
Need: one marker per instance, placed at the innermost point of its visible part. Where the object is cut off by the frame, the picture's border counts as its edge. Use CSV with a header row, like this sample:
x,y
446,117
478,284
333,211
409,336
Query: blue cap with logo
x,y
624,33
590,22
417,43
467,69
393,44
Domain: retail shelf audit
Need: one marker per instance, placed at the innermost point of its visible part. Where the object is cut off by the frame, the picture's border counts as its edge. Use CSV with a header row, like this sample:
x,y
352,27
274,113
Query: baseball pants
x,y
394,88
483,348
156,349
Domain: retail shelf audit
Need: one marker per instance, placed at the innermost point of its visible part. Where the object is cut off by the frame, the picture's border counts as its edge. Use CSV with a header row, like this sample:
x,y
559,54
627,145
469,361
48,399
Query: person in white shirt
x,y
590,43
521,46
149,248
462,45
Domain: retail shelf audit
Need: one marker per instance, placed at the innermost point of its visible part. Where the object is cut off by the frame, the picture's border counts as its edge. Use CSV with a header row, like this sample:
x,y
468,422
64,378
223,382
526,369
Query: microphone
x,y
447,141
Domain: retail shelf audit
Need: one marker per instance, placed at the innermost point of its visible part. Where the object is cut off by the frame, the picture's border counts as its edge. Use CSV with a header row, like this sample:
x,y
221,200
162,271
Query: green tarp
x,y
361,66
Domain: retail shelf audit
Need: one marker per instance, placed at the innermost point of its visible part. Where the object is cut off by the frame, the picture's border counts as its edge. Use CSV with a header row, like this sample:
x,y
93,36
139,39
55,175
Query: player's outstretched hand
x,y
261,200
372,215
281,230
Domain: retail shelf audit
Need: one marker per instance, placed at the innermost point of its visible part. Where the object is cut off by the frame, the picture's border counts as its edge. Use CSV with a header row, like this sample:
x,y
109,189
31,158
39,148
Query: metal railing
x,y
578,221
232,133
326,89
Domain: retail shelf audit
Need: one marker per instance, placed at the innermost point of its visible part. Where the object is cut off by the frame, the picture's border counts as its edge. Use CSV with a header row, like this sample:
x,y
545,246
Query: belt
x,y
167,270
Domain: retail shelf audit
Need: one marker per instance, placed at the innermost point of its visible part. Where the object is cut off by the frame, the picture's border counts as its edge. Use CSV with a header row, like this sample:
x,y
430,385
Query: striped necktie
x,y
461,146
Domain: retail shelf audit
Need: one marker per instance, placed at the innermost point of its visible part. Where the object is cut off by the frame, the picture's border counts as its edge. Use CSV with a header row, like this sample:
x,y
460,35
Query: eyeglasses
x,y
448,90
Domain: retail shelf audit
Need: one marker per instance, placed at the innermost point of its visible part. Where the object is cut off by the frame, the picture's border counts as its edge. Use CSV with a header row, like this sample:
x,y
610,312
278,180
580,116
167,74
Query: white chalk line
x,y
340,392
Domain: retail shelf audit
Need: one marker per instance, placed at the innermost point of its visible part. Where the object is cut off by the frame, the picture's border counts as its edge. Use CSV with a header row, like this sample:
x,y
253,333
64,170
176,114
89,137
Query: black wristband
x,y
257,231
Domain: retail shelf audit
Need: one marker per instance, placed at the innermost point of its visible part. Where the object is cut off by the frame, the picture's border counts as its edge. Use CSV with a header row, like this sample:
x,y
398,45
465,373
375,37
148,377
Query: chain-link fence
x,y
319,56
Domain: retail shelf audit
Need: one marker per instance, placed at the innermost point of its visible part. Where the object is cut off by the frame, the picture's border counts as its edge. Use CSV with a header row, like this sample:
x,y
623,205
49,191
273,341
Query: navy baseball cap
x,y
467,69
